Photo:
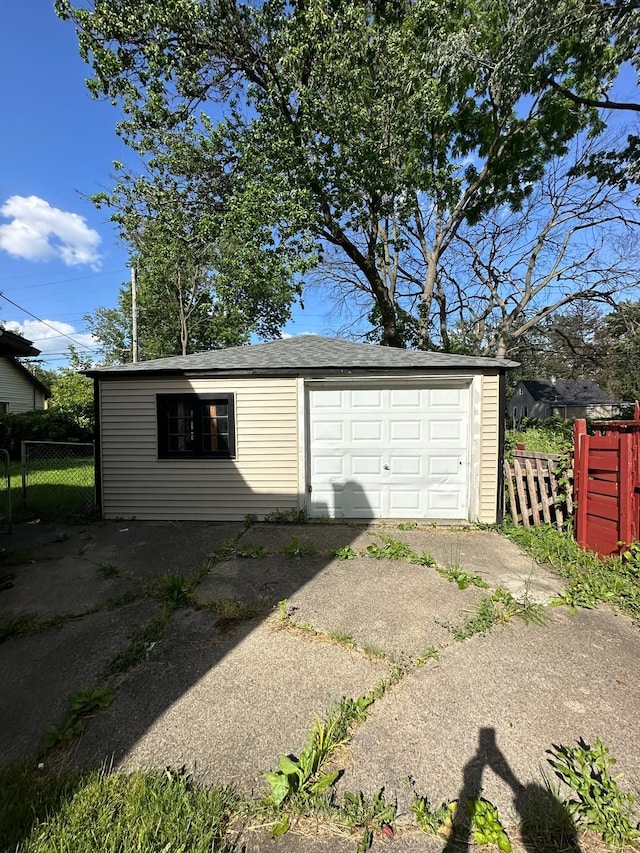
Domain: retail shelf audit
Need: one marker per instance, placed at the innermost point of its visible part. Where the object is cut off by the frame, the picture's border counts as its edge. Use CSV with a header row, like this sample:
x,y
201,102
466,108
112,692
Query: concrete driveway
x,y
279,628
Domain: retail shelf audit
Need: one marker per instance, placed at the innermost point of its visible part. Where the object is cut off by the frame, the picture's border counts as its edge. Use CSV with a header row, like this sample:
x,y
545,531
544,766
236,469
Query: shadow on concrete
x,y
546,825
194,653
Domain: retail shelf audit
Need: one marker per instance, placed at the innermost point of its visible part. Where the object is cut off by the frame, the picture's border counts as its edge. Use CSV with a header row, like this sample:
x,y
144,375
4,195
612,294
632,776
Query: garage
x,y
383,451
302,426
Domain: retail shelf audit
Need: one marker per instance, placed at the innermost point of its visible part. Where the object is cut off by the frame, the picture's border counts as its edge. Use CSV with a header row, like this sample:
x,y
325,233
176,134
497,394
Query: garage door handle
x,y
386,467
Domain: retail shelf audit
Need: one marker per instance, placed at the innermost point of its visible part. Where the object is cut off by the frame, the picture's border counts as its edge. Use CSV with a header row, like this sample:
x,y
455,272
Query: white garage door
x,y
383,452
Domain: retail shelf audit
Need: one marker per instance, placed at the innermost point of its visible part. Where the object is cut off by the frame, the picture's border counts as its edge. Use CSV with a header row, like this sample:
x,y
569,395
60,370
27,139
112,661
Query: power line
x,y
44,323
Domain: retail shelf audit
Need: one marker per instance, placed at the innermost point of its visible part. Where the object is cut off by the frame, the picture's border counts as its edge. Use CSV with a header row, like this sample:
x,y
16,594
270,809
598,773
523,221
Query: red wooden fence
x,y
607,485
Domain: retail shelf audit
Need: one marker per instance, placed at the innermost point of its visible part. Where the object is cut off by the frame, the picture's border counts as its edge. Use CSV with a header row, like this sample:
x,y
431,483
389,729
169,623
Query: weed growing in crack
x,y
173,590
297,548
431,653
422,559
407,525
369,814
391,549
109,570
235,610
498,608
143,641
463,579
251,552
345,553
287,516
599,803
83,705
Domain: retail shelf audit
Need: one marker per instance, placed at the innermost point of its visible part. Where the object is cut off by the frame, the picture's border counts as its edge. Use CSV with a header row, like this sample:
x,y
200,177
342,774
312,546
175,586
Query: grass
x,y
57,490
137,813
590,581
498,608
143,641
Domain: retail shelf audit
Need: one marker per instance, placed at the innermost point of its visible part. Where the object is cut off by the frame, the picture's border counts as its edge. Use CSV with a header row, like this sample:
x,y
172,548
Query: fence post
x,y
580,479
625,490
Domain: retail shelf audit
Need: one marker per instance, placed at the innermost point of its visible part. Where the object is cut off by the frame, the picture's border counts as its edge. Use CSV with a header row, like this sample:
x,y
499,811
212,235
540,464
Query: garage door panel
x,y
402,451
366,431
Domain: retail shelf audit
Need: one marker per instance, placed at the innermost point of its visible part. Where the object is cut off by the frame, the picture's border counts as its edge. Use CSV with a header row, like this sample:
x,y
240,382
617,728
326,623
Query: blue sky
x,y
60,258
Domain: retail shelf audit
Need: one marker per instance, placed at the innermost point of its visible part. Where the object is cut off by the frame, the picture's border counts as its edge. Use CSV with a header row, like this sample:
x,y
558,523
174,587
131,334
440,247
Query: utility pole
x,y
134,315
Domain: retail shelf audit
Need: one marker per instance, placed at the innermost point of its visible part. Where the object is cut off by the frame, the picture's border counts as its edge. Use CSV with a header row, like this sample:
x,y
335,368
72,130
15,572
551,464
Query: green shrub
x,y
46,425
551,436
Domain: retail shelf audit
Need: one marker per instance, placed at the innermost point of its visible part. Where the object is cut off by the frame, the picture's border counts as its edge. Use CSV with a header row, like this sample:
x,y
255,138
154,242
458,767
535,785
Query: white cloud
x,y
39,232
49,340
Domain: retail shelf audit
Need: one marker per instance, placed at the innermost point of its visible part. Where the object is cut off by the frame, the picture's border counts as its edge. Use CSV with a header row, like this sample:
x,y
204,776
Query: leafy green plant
x,y
174,590
297,548
109,570
498,608
368,813
486,825
422,559
251,552
250,519
391,549
287,516
463,579
434,821
599,804
407,525
141,644
301,777
82,705
431,653
590,581
345,553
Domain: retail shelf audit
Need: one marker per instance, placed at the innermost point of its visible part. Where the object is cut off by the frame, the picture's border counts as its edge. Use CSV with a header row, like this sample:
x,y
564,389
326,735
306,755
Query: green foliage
x,y
407,525
599,803
172,589
463,579
551,436
72,393
344,553
287,516
422,559
82,705
297,548
431,653
235,610
250,519
432,820
250,552
486,825
48,425
368,813
590,581
498,608
391,549
144,639
133,813
301,778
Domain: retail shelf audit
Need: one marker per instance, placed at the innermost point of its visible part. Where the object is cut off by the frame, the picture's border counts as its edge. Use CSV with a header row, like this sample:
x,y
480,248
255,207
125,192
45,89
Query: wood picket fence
x,y
535,495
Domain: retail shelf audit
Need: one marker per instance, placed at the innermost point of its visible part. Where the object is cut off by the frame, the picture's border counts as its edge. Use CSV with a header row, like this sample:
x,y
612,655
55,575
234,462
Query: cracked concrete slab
x,y
485,714
225,704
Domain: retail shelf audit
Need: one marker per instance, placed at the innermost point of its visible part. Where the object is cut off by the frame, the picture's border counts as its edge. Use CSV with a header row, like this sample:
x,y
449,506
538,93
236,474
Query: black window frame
x,y
197,401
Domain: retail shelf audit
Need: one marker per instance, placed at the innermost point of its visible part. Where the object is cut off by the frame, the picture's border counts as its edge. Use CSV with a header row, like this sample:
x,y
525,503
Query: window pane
x,y
180,427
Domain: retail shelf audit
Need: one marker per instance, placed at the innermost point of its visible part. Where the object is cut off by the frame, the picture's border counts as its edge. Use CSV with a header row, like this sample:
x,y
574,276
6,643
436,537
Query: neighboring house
x,y
563,398
332,427
20,390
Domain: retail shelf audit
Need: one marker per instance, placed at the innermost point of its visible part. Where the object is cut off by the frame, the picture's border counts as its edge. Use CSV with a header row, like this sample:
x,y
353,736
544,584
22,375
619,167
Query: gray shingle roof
x,y
567,392
303,354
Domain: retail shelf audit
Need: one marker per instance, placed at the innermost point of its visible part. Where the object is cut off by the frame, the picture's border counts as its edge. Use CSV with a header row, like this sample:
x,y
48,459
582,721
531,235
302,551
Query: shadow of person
x,y
546,825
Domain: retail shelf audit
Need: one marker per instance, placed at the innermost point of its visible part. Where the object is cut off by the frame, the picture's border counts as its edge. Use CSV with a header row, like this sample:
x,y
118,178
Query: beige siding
x,y
489,448
263,476
16,389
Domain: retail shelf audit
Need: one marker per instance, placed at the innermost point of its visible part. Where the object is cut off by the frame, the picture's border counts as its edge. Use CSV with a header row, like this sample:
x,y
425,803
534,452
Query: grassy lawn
x,y
57,490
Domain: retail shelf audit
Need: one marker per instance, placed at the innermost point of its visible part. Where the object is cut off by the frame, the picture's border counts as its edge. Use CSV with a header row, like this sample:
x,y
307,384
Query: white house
x,y
20,390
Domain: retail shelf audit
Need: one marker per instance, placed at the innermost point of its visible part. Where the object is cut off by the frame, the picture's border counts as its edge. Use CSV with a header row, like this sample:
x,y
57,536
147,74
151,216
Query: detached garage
x,y
333,427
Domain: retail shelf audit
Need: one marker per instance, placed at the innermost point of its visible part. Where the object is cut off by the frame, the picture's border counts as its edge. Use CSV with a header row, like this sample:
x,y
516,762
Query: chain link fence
x,y
58,479
5,492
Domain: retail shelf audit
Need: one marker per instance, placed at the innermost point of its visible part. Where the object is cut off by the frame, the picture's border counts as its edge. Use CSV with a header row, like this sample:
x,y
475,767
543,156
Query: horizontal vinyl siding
x,y
489,448
263,477
17,390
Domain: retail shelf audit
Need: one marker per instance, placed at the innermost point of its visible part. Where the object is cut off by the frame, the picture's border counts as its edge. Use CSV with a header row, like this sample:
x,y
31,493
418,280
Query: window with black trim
x,y
191,426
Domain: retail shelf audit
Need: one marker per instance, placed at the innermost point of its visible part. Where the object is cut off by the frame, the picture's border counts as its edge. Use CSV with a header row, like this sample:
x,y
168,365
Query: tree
x,y
383,130
72,393
619,339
